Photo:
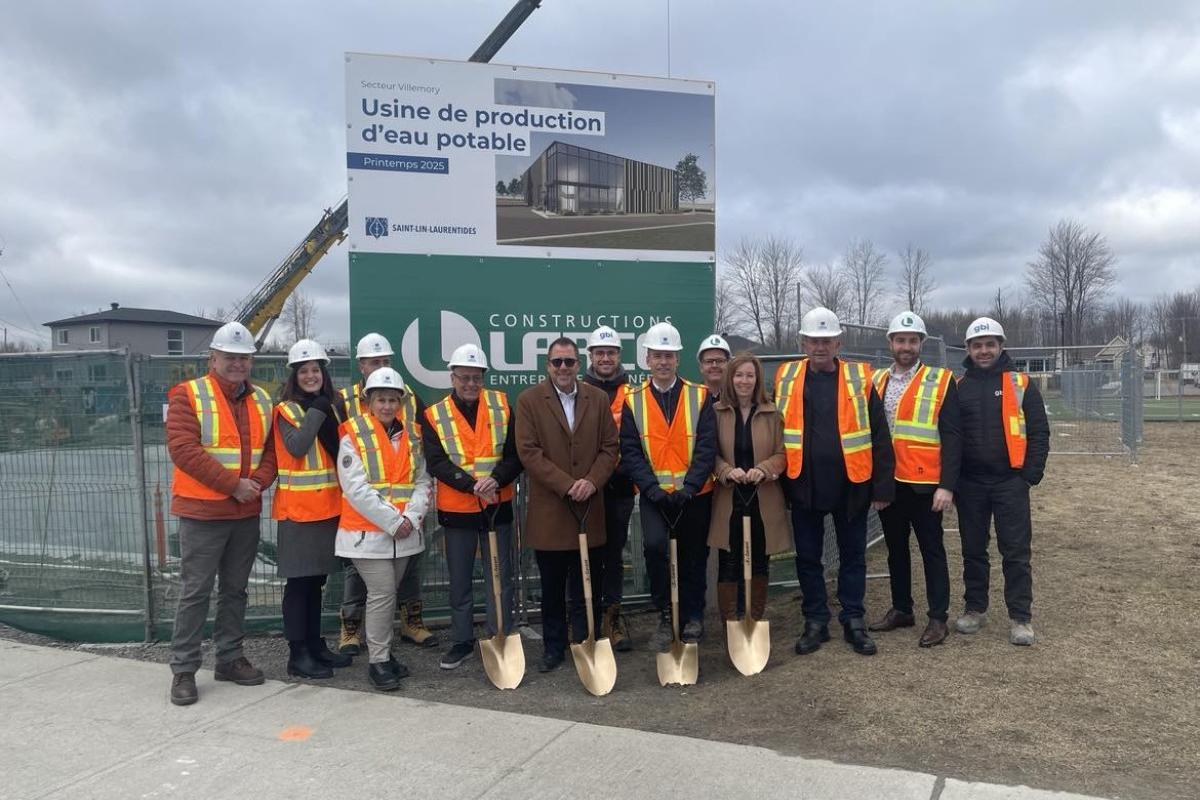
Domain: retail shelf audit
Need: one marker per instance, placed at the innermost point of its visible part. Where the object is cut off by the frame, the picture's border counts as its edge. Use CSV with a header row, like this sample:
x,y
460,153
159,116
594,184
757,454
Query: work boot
x,y
304,664
971,621
660,640
815,633
758,596
412,627
894,619
727,601
935,633
618,630
693,631
1021,633
855,632
321,652
240,671
350,640
183,689
382,678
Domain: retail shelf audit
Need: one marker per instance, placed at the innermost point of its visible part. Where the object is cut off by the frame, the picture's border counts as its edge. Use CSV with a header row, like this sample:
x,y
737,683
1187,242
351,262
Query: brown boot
x,y
412,627
350,638
618,633
240,671
758,596
727,601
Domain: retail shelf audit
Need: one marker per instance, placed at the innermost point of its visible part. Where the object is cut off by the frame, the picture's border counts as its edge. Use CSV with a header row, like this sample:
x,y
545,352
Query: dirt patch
x,y
1105,703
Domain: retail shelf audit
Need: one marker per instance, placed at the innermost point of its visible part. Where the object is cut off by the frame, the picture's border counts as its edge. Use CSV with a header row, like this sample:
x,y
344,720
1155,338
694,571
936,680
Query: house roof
x,y
152,316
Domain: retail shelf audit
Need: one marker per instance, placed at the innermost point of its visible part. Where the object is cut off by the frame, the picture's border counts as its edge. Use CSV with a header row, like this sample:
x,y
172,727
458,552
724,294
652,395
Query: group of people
x,y
359,471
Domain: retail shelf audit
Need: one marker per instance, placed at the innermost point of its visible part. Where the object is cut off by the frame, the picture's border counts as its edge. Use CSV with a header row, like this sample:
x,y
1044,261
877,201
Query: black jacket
x,y
950,433
856,497
985,453
443,469
704,454
618,485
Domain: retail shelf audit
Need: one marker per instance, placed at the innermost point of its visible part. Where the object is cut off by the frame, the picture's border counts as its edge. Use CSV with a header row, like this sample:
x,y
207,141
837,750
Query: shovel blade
x,y
749,644
503,660
596,665
679,666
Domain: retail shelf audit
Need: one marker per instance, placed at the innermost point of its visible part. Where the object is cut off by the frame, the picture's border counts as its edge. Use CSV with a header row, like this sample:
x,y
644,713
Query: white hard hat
x,y
714,342
820,323
373,344
306,350
907,322
384,378
233,337
467,355
604,336
984,326
663,336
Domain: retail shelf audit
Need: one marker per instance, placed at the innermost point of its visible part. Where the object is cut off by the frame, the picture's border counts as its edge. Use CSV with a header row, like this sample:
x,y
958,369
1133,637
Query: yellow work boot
x,y
412,627
350,639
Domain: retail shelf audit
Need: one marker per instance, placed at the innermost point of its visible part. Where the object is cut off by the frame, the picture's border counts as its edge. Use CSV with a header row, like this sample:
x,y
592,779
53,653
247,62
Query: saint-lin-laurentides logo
x,y
377,227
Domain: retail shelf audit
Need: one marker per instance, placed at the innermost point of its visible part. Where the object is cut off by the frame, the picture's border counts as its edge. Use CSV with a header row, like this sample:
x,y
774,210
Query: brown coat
x,y
183,444
554,457
766,428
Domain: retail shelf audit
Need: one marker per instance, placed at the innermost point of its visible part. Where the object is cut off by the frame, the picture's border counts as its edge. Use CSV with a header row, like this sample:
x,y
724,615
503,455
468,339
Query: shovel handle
x,y
746,553
585,564
494,554
674,589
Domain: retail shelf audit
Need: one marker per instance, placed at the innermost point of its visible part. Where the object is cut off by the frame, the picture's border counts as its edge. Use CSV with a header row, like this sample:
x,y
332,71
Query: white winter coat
x,y
372,505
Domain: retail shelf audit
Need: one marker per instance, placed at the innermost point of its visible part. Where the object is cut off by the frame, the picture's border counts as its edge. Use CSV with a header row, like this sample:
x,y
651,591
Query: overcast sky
x,y
170,155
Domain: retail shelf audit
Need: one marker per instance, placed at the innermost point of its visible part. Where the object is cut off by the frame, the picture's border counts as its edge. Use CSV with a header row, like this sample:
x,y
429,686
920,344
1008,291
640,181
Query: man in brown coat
x,y
568,444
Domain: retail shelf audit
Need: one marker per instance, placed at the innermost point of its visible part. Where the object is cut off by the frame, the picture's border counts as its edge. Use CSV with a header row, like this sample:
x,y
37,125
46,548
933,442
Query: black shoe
x,y
304,665
321,652
855,632
183,689
815,633
398,669
693,631
551,661
457,654
382,677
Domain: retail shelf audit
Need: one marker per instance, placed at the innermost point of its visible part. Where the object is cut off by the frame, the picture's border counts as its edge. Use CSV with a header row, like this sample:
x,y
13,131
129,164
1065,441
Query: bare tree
x,y
825,285
1071,276
298,315
863,267
762,278
724,315
916,281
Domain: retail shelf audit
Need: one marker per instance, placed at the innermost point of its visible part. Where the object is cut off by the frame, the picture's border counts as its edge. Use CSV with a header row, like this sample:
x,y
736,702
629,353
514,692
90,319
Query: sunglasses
x,y
564,362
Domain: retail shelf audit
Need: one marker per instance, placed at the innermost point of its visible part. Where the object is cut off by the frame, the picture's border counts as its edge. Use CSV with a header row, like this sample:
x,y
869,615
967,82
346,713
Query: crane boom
x,y
265,304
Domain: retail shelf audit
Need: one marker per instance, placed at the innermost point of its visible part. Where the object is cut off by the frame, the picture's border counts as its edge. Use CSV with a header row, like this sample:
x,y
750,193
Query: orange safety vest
x,y
308,486
219,434
389,468
669,448
1012,400
475,451
854,420
356,407
915,437
618,403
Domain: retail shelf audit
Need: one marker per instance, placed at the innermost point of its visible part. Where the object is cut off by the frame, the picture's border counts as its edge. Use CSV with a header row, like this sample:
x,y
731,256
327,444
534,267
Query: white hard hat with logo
x,y
984,326
233,337
663,336
820,323
467,355
907,322
373,344
384,378
714,342
604,336
306,350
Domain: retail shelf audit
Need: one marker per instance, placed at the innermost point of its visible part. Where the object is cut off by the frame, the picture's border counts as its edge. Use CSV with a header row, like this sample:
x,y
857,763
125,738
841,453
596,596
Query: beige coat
x,y
766,428
554,456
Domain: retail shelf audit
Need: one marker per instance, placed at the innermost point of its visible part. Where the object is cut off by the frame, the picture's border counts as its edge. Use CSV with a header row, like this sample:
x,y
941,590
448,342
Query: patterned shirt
x,y
897,383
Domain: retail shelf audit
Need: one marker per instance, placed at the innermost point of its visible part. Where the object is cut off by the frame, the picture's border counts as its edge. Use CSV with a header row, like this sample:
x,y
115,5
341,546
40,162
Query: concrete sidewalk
x,y
77,724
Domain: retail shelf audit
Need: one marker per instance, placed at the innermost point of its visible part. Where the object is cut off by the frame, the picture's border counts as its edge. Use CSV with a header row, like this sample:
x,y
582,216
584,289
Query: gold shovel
x,y
502,655
680,665
594,659
749,640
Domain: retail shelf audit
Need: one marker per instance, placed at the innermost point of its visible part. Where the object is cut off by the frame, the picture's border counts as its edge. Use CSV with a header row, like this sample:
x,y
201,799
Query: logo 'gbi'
x,y
455,330
377,227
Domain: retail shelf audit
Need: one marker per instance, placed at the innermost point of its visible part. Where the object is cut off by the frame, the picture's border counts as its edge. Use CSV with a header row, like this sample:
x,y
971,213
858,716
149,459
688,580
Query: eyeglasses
x,y
467,378
564,362
715,362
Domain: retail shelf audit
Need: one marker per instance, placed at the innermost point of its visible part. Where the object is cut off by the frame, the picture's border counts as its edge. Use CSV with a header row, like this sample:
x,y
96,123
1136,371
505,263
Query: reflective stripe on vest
x,y
1012,400
915,437
476,451
308,486
669,448
219,435
854,422
389,469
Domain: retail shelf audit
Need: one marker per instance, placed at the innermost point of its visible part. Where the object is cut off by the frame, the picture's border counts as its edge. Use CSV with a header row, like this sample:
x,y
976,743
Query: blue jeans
x,y
808,533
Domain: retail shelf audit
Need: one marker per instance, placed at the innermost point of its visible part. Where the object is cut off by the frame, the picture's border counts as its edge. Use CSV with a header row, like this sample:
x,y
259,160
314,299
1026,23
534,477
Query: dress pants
x,y
692,534
461,544
560,569
913,511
